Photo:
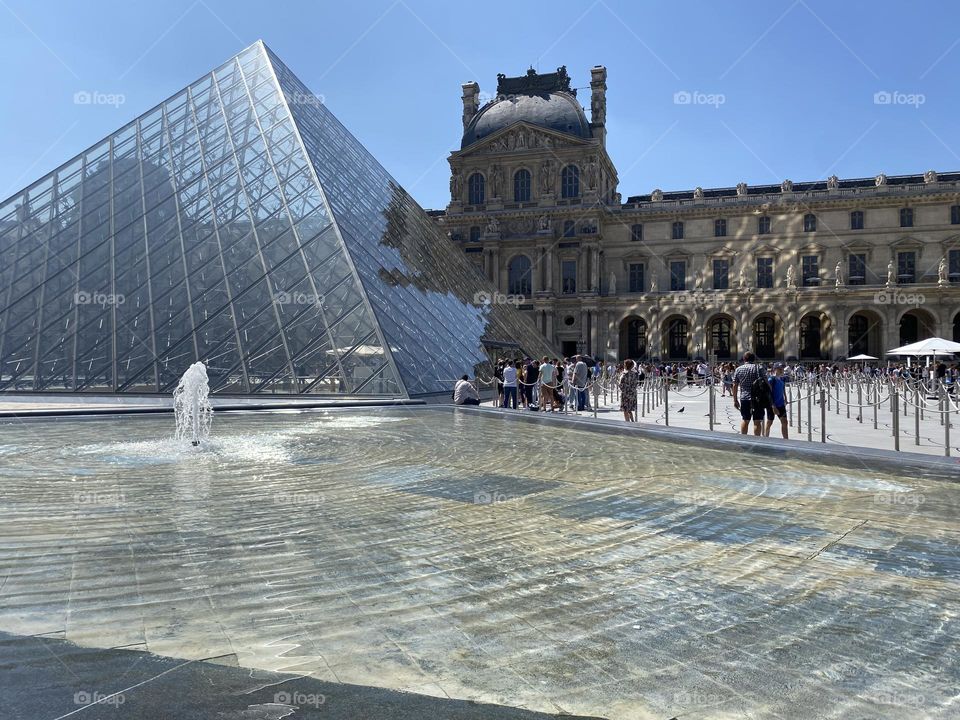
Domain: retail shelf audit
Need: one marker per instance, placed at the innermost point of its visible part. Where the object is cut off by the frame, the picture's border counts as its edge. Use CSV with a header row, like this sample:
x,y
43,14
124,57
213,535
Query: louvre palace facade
x,y
819,270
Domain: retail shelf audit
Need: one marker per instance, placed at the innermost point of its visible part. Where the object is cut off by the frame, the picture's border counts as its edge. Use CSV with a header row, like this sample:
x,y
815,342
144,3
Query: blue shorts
x,y
748,412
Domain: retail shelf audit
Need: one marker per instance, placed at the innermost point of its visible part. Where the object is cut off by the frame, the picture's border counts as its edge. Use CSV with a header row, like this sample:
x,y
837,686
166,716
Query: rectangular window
x,y
810,268
857,269
568,274
765,272
763,225
856,220
678,275
809,222
569,228
636,277
906,217
955,214
721,274
636,233
906,267
475,233
953,266
720,228
678,230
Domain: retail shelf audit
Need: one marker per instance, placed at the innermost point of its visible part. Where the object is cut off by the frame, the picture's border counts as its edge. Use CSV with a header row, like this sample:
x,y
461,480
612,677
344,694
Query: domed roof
x,y
558,111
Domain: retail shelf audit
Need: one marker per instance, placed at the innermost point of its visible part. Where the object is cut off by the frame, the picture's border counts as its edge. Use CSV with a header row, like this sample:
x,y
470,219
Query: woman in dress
x,y
628,391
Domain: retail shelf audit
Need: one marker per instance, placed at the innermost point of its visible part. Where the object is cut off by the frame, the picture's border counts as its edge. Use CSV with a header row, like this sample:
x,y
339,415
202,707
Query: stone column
x,y
790,327
698,333
548,330
654,333
495,261
537,279
549,270
595,270
594,341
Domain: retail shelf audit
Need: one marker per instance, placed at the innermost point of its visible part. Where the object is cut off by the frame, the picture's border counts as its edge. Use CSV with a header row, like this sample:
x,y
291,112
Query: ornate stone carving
x,y
930,176
742,279
546,177
522,226
791,280
833,183
592,174
880,180
653,283
698,193
698,281
543,223
839,274
891,277
942,272
741,189
657,195
456,185
786,186
612,285
496,181
493,227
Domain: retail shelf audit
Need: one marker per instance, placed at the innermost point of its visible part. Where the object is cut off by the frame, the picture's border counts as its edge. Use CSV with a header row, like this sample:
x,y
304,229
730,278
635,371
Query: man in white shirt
x,y
510,384
548,376
464,393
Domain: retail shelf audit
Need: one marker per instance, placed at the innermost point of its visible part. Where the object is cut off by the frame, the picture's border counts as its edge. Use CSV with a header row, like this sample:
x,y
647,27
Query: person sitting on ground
x,y
465,393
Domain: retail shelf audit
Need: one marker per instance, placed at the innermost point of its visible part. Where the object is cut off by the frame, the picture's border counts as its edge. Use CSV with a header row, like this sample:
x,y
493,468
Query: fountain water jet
x,y
191,405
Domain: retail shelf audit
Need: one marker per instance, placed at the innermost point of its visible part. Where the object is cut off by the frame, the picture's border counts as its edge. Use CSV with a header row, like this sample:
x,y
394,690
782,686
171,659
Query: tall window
x,y
763,225
569,229
809,222
677,338
906,267
570,182
475,189
519,276
521,186
765,272
858,336
857,269
678,275
955,214
720,338
856,220
906,217
636,338
720,227
678,230
475,233
636,277
568,276
721,274
763,337
953,266
636,233
810,337
810,270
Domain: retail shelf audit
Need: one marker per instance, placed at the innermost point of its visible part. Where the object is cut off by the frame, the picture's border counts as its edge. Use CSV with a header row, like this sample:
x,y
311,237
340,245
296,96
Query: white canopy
x,y
862,357
930,346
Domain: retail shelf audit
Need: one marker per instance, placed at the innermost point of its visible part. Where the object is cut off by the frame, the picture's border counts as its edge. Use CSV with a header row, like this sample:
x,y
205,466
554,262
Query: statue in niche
x,y
493,227
942,272
839,274
791,281
545,177
698,282
543,223
496,180
456,185
592,174
891,277
742,279
653,283
612,285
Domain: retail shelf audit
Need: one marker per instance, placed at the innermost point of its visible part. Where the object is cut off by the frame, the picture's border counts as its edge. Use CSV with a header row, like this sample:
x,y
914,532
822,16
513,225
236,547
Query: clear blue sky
x,y
797,79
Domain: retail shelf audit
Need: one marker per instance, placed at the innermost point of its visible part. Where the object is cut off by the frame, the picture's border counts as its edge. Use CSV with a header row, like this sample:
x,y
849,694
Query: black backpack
x,y
760,394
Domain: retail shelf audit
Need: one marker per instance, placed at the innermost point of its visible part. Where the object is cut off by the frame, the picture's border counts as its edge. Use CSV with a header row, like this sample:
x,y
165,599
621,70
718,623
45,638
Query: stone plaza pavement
x,y
689,409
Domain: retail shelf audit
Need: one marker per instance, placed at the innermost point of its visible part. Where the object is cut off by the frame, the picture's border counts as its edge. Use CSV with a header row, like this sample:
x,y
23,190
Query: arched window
x,y
956,327
763,337
636,338
570,182
677,339
518,282
720,338
810,337
475,189
858,336
521,186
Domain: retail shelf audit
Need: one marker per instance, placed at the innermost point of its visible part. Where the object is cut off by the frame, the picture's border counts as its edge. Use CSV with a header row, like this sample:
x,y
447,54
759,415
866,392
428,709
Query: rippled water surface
x,y
471,557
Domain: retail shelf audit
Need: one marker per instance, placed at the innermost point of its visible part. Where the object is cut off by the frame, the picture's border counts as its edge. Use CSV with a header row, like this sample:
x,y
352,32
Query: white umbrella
x,y
862,357
928,347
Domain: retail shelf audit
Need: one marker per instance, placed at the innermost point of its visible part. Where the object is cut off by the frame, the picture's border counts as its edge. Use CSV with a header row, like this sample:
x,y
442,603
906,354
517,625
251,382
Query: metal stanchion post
x,y
847,384
916,415
876,402
710,402
799,411
823,415
946,426
859,401
810,413
666,404
896,421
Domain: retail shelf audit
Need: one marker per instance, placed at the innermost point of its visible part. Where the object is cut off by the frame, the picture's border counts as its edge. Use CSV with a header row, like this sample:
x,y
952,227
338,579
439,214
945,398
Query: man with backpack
x,y
751,394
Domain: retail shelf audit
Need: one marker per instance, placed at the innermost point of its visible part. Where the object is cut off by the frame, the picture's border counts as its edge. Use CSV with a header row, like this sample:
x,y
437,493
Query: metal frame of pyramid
x,y
240,224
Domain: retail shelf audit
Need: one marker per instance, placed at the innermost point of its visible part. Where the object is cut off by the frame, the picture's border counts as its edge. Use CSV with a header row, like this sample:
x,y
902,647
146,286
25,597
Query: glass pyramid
x,y
238,223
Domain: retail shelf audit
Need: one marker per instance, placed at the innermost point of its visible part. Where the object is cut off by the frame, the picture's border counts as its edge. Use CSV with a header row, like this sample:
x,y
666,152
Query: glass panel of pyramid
x,y
240,224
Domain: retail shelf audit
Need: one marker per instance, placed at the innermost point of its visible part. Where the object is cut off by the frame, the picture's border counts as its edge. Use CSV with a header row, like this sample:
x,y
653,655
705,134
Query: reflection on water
x,y
500,561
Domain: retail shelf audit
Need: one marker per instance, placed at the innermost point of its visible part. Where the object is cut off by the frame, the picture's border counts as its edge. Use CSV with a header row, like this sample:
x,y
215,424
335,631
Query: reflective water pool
x,y
471,557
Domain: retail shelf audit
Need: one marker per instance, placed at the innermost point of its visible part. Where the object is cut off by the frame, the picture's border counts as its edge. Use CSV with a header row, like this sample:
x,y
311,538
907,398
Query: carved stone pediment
x,y
521,137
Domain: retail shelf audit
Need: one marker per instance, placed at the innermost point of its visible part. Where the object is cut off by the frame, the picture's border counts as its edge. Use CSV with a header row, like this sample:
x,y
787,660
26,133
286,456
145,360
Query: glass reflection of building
x,y
240,224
